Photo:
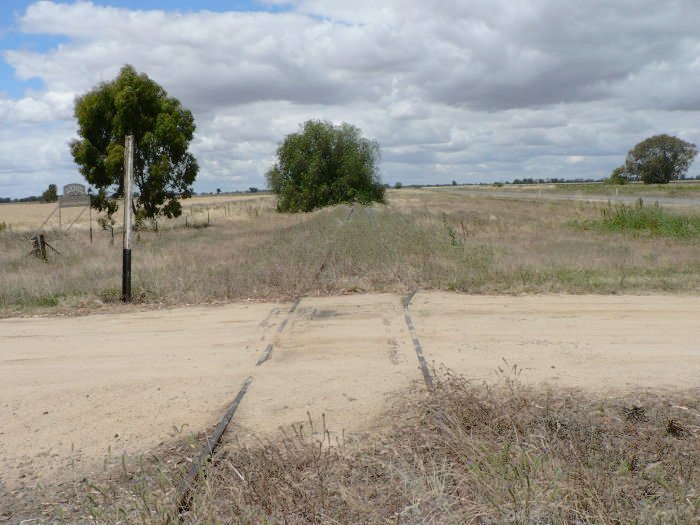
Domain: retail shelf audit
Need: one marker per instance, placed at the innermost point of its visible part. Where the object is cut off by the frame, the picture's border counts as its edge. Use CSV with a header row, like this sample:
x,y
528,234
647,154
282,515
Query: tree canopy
x,y
660,159
51,193
618,176
164,170
324,164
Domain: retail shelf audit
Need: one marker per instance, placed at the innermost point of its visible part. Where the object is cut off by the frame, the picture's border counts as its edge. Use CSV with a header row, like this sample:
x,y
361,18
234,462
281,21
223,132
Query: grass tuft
x,y
651,220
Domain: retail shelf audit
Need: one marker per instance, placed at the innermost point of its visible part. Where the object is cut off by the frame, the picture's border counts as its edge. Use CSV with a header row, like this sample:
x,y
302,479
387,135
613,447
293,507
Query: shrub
x,y
323,164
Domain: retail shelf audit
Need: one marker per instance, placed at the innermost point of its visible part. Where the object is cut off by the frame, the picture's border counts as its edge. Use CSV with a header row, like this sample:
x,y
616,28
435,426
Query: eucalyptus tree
x,y
164,169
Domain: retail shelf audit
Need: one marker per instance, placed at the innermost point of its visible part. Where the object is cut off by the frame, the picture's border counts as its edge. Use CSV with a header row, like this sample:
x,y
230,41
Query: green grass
x,y
644,219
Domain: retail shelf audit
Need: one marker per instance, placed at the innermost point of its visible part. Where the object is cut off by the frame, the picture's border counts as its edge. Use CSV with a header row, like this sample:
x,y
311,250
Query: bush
x,y
324,164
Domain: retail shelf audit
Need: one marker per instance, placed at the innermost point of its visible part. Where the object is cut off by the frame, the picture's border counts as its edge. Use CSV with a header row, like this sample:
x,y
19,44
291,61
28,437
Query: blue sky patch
x,y
11,37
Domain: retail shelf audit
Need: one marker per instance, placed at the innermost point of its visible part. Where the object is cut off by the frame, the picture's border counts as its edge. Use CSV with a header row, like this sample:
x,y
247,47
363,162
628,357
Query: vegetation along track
x,y
347,357
184,494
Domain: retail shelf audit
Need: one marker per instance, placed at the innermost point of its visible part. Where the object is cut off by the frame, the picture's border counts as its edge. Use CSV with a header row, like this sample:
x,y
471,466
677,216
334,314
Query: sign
x,y
74,195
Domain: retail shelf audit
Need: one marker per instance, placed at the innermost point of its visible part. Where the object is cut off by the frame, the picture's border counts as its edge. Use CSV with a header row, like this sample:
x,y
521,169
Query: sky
x,y
472,91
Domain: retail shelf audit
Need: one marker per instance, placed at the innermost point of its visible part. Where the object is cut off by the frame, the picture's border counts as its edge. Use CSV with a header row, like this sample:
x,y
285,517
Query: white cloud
x,y
485,89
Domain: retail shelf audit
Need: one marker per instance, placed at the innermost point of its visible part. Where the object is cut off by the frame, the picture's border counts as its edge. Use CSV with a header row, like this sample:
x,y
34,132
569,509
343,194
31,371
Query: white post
x,y
128,195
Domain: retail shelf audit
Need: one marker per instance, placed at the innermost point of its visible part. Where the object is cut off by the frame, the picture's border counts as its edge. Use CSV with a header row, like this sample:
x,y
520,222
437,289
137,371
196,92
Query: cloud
x,y
485,89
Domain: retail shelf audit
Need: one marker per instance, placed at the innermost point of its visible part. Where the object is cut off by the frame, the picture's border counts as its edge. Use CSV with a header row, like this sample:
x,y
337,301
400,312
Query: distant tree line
x,y
553,180
31,198
50,195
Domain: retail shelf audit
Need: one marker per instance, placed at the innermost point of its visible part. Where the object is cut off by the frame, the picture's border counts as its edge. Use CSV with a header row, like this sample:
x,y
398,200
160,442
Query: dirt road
x,y
76,390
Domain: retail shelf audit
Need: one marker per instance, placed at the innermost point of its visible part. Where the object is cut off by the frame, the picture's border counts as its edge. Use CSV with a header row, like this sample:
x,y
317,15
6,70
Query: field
x,y
688,189
239,249
545,330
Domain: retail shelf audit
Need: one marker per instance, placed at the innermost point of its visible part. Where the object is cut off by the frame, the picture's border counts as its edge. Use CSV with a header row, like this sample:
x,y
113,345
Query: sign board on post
x,y
74,195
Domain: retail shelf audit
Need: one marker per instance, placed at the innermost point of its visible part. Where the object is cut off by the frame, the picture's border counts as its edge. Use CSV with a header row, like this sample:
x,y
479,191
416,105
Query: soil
x,y
78,391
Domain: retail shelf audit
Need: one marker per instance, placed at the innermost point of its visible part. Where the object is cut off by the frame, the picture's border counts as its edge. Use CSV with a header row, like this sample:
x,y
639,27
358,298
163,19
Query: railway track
x,y
206,453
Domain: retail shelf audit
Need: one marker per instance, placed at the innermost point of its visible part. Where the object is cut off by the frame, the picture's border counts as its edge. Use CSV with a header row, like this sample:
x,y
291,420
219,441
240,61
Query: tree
x,y
660,159
398,185
324,164
163,168
618,176
253,190
218,191
51,194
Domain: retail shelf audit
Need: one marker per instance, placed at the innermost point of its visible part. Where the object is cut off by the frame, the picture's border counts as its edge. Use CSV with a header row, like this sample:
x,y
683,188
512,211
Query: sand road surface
x,y
75,390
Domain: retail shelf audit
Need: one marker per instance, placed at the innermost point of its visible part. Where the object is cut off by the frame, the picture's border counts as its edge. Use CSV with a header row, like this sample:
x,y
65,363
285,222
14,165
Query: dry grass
x,y
465,453
26,217
685,189
534,248
429,239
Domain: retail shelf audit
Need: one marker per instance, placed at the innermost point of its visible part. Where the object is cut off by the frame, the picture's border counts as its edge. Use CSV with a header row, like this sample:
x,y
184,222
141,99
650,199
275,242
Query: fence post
x,y
42,247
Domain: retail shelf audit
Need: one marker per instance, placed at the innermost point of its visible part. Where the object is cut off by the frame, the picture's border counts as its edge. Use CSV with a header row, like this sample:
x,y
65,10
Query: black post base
x,y
126,276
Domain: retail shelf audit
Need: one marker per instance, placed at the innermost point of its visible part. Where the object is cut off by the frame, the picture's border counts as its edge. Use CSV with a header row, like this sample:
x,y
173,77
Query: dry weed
x,y
467,453
432,240
464,453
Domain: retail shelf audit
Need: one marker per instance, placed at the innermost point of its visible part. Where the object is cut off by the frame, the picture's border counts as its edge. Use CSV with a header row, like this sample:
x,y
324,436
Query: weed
x,y
652,220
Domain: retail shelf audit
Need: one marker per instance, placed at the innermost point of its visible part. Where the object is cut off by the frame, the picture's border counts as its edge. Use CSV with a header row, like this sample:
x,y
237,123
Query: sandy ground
x,y
77,390
602,343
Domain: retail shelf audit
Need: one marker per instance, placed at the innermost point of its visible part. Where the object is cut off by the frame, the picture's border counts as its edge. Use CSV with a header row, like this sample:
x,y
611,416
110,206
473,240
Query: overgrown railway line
x,y
344,356
211,443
